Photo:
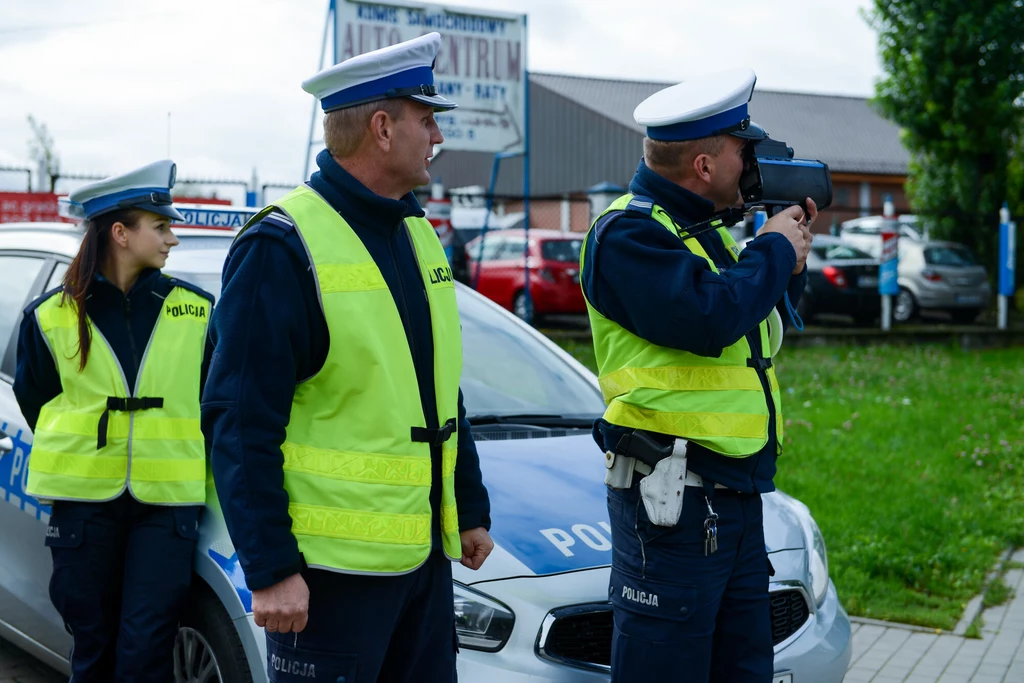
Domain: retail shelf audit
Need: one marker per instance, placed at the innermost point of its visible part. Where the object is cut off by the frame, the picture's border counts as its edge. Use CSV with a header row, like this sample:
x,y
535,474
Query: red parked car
x,y
554,270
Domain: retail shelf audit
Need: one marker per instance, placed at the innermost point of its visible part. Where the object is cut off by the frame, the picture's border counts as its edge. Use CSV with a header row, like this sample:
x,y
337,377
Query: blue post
x,y
760,218
487,214
1007,262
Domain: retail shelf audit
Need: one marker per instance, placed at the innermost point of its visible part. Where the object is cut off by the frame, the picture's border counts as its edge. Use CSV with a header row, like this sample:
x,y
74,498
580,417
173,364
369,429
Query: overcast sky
x,y
111,78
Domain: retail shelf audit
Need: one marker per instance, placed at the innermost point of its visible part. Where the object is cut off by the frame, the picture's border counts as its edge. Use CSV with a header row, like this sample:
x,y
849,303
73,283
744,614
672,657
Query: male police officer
x,y
339,438
693,424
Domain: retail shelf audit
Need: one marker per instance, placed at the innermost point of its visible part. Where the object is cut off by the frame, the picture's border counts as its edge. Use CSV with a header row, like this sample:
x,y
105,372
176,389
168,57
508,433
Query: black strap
x,y
124,405
759,363
435,437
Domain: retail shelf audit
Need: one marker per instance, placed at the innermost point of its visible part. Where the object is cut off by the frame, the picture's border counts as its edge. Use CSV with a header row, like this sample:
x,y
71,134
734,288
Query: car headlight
x,y
481,622
817,561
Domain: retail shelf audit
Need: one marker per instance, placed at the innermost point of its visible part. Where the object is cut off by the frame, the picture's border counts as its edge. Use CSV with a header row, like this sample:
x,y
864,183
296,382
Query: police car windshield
x,y
506,371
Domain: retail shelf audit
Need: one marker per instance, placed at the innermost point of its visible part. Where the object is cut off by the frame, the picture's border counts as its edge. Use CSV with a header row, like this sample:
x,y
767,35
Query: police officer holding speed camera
x,y
685,327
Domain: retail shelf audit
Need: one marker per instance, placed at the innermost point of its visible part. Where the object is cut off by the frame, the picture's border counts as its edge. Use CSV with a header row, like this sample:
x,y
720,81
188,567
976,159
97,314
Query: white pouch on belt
x,y
662,489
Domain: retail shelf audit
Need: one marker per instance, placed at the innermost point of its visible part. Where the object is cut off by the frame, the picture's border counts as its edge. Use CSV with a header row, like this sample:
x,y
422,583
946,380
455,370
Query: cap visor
x,y
753,132
167,210
436,101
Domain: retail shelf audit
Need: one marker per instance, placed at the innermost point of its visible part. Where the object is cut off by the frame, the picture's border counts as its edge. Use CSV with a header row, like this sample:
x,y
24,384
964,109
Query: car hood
x,y
548,510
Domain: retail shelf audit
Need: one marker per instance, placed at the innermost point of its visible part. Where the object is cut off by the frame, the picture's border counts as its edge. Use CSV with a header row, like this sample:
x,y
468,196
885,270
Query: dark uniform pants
x,y
364,629
121,572
681,615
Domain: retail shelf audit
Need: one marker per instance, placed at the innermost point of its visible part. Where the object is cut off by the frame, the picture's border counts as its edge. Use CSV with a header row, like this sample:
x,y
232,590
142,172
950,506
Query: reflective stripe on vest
x,y
719,403
158,452
357,481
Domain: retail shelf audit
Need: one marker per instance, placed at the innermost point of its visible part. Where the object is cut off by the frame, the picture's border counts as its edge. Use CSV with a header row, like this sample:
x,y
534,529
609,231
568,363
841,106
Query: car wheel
x,y
207,648
965,315
904,306
520,307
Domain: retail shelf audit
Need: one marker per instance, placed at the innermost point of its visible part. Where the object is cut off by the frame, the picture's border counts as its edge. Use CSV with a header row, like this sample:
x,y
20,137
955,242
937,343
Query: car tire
x,y
519,307
207,648
904,306
965,316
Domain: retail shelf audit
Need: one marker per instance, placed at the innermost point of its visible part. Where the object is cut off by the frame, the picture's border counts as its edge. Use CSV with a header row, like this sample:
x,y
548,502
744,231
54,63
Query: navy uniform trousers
x,y
121,573
683,616
364,629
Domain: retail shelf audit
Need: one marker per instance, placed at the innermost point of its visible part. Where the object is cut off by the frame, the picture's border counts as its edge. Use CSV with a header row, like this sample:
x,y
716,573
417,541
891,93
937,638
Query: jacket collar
x,y
356,202
684,206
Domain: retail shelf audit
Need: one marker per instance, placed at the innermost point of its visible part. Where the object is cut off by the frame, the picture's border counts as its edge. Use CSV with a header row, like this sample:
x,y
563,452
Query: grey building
x,y
582,134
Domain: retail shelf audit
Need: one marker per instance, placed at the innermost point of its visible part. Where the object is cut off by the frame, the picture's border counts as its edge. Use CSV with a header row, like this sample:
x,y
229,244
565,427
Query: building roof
x,y
582,133
844,132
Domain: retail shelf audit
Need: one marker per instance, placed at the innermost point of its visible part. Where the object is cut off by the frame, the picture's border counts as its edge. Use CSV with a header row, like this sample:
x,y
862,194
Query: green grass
x,y
998,593
912,461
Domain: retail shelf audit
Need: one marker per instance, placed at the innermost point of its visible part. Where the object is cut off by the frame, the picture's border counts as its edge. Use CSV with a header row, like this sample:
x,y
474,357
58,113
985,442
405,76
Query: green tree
x,y
954,74
41,149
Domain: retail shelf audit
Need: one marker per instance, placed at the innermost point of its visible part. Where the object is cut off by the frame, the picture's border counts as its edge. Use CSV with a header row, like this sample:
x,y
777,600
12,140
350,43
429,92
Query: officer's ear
x,y
118,234
702,166
382,129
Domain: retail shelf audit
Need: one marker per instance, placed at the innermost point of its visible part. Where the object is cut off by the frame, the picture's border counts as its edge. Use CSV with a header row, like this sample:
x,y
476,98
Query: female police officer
x,y
110,368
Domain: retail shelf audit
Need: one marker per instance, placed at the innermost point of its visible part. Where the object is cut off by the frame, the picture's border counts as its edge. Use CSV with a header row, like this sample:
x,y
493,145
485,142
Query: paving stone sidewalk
x,y
899,654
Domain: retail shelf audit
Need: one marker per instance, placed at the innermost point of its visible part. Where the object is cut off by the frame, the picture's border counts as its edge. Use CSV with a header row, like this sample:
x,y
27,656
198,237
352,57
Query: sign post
x,y
1007,262
888,271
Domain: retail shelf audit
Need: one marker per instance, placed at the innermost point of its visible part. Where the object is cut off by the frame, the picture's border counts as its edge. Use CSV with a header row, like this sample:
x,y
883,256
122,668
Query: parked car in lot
x,y
841,279
467,224
554,270
538,608
942,276
865,232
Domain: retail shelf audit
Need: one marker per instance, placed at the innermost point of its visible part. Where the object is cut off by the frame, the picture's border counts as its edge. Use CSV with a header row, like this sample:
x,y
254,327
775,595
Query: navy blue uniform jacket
x,y
641,276
126,320
269,333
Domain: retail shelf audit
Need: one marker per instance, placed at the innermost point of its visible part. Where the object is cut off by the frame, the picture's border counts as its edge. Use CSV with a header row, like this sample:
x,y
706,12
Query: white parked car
x,y
537,610
865,233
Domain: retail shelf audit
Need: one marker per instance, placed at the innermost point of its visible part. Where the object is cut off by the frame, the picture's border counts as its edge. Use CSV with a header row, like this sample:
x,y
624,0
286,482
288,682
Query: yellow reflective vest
x,y
719,403
357,465
99,436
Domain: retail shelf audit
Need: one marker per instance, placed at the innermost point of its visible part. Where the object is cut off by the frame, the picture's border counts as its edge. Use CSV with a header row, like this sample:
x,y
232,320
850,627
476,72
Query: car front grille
x,y
582,635
789,613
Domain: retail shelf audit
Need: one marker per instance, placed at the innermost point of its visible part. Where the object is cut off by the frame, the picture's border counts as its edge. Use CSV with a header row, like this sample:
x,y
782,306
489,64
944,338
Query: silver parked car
x,y
537,610
940,276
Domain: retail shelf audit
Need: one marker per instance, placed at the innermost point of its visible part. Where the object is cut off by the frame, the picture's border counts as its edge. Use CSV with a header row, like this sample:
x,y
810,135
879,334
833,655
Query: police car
x,y
538,608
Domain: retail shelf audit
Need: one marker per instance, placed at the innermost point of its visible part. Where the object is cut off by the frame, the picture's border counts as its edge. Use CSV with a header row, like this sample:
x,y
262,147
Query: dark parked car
x,y
840,279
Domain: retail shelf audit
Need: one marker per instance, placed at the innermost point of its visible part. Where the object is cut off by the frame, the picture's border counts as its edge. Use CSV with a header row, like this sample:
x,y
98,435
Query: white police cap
x,y
714,104
147,188
402,70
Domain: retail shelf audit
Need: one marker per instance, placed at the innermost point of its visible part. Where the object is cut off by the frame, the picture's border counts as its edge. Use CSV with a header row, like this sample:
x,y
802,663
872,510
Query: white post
x,y
566,214
889,211
1006,250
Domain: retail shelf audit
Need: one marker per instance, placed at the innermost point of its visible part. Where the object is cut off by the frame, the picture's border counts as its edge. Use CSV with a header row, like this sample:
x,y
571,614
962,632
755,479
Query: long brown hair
x,y
87,262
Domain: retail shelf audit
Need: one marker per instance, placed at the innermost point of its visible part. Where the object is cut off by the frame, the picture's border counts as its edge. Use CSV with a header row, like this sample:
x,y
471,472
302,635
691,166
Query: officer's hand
x,y
476,546
283,607
795,227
